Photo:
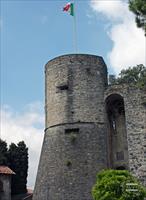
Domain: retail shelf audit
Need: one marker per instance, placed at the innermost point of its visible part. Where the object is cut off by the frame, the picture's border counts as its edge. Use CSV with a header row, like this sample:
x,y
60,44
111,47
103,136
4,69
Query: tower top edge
x,y
74,56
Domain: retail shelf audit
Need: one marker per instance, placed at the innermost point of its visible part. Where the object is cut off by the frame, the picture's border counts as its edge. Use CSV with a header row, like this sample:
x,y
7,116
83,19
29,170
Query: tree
x,y
138,7
13,162
23,167
112,185
18,159
135,75
3,153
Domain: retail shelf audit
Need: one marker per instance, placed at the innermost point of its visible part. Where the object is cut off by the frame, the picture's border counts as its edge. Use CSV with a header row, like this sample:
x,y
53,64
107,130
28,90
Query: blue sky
x,y
33,32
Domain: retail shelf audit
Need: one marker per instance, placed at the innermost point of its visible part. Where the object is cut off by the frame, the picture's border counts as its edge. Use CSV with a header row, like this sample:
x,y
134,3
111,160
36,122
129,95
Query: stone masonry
x,y
90,126
135,119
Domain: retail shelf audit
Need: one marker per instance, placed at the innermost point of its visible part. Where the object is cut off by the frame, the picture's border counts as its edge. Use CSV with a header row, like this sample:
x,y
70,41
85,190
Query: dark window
x,y
72,130
62,87
120,155
120,168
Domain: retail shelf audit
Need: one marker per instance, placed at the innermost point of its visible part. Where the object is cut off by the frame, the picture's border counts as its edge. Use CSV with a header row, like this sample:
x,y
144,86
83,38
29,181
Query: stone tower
x,y
90,126
74,147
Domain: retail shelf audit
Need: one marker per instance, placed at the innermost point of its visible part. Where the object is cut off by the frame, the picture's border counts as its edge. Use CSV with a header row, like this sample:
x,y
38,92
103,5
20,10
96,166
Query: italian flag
x,y
69,7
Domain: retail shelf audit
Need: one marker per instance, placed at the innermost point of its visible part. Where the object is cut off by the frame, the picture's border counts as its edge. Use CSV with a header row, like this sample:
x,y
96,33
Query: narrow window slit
x,y
72,130
62,87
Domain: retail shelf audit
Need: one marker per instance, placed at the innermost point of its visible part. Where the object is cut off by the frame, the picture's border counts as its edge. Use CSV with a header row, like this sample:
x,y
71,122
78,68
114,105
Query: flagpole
x,y
70,7
75,30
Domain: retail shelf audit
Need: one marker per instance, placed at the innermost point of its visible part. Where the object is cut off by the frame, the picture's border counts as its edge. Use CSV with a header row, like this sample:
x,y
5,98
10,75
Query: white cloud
x,y
28,126
113,10
128,41
129,46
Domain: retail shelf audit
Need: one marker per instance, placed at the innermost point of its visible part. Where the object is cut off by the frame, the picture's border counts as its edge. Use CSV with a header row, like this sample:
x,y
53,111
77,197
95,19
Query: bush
x,y
113,185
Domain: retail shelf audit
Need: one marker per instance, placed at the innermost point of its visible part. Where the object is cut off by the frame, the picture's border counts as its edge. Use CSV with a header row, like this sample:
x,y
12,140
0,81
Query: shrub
x,y
113,185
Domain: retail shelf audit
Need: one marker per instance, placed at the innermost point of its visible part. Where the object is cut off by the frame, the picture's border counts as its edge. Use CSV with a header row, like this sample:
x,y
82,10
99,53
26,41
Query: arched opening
x,y
117,136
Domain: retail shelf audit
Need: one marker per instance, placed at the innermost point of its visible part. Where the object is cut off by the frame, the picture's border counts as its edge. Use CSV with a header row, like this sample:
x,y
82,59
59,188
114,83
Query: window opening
x,y
62,87
120,168
72,130
114,124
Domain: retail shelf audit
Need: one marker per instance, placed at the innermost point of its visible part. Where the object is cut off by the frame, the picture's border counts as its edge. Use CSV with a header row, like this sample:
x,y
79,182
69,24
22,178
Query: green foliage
x,y
18,158
138,7
3,153
111,185
135,75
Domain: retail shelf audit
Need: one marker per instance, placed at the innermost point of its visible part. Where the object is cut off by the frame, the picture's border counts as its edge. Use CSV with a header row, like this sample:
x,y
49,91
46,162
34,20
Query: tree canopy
x,y
3,152
133,75
16,157
138,7
114,185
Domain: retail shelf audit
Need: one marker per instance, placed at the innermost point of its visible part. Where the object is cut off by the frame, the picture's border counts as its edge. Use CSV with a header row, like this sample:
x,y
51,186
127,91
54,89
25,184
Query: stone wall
x,y
117,134
135,112
70,161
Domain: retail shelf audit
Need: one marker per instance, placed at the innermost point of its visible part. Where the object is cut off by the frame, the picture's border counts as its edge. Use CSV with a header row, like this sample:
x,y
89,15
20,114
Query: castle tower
x,y
74,147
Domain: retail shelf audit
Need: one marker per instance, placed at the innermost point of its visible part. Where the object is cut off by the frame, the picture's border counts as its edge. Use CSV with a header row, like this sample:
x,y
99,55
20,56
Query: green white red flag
x,y
69,7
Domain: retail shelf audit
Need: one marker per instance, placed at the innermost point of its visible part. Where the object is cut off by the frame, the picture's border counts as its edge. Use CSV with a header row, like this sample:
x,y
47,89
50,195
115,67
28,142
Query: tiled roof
x,y
6,170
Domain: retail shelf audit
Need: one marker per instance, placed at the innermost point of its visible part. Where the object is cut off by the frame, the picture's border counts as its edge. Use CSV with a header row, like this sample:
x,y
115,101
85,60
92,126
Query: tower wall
x,y
74,89
74,147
